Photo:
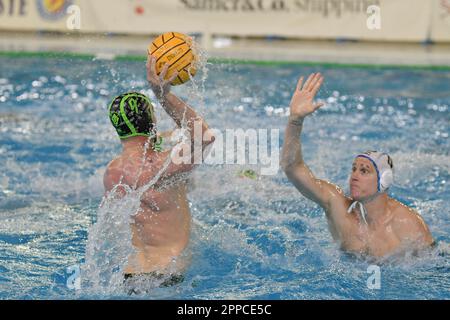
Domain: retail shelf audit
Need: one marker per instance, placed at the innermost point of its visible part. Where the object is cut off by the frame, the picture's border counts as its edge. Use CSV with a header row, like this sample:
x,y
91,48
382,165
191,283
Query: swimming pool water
x,y
251,239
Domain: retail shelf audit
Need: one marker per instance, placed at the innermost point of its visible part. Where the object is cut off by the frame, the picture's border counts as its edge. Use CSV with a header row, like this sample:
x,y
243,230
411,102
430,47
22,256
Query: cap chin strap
x,y
362,209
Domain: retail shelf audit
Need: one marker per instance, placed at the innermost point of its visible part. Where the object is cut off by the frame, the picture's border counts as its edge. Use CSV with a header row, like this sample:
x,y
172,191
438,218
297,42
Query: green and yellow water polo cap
x,y
132,115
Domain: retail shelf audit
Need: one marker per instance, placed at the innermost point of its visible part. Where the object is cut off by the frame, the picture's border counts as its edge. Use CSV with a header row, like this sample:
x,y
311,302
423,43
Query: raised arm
x,y
180,112
296,170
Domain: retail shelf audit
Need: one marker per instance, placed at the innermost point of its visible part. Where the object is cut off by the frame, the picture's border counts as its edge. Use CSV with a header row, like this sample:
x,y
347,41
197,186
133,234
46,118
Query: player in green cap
x,y
161,227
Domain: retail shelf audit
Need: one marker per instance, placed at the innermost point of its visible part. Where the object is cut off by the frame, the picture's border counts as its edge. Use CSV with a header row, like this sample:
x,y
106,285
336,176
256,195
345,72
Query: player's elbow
x,y
286,163
291,169
291,165
286,166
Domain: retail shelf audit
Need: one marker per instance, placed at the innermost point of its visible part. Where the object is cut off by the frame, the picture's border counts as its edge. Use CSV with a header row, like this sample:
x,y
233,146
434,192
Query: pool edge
x,y
215,60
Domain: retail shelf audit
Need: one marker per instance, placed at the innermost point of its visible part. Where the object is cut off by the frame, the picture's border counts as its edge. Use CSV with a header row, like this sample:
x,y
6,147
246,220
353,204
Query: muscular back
x,y
162,224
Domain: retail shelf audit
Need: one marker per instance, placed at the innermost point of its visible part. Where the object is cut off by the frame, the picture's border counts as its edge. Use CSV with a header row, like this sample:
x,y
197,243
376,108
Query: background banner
x,y
378,20
440,22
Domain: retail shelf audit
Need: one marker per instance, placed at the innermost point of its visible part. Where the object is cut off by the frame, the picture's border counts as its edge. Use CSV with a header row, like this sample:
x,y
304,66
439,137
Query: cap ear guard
x,y
387,177
386,180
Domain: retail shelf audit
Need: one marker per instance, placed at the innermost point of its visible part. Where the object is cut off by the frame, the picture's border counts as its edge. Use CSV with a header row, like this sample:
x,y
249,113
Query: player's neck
x,y
136,145
376,207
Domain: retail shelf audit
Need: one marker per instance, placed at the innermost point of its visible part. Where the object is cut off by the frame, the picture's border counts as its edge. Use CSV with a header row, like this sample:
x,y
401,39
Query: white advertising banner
x,y
440,22
394,20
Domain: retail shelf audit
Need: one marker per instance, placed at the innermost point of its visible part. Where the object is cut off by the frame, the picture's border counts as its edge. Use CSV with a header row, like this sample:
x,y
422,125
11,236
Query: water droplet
x,y
221,42
36,83
239,108
269,110
331,99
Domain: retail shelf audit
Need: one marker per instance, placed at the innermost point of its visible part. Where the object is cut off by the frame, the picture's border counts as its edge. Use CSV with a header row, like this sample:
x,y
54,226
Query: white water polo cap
x,y
384,167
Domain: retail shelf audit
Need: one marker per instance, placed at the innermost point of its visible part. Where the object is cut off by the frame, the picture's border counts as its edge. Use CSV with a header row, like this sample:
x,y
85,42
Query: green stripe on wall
x,y
85,56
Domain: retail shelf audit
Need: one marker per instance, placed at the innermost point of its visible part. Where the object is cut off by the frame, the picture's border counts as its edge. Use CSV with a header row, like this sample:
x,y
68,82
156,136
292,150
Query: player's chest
x,y
377,242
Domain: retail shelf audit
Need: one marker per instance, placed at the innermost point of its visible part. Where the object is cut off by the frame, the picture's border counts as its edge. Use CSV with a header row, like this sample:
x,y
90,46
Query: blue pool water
x,y
251,239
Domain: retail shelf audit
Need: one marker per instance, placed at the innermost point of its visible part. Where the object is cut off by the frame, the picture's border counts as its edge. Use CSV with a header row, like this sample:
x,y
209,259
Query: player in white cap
x,y
367,221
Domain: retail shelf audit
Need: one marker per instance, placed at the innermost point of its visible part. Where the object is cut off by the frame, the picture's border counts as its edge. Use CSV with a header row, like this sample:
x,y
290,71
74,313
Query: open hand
x,y
158,83
302,101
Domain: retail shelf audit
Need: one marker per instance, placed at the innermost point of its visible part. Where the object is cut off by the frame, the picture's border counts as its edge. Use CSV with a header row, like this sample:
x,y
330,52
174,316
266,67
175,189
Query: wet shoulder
x,y
332,187
112,174
337,195
114,164
401,211
406,220
120,171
